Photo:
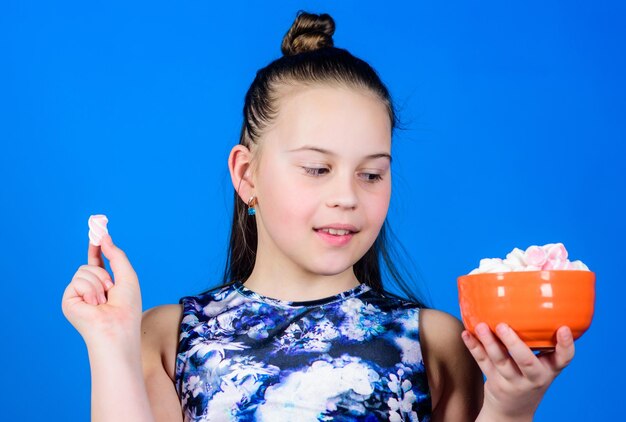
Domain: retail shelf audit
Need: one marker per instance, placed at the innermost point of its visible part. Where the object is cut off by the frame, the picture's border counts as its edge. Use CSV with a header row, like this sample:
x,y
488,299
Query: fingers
x,y
89,288
524,358
516,378
512,357
94,256
564,350
100,273
496,352
120,265
478,352
90,284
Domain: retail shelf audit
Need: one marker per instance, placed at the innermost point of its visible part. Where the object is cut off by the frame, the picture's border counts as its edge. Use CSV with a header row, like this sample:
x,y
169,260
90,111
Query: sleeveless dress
x,y
354,356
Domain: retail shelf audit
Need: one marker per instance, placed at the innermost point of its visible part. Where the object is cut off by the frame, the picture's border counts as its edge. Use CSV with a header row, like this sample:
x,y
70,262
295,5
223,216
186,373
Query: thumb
x,y
123,271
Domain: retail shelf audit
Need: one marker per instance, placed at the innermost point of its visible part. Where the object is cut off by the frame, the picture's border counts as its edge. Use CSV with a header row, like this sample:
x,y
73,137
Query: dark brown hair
x,y
309,59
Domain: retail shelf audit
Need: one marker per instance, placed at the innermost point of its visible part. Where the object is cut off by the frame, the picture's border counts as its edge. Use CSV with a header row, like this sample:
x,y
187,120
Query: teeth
x,y
335,232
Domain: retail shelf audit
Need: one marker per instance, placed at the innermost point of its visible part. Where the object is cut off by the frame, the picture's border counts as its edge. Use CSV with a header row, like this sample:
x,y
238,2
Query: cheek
x,y
285,201
375,207
378,207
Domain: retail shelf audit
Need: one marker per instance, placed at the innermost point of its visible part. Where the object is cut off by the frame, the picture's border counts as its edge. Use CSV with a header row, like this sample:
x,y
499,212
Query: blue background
x,y
515,136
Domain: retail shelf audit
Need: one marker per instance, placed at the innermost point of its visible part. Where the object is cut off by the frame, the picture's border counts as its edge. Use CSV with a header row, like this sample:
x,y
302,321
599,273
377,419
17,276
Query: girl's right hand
x,y
100,310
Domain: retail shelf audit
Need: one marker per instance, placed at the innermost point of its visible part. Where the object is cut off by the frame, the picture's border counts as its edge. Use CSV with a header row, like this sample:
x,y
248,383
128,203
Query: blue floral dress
x,y
354,356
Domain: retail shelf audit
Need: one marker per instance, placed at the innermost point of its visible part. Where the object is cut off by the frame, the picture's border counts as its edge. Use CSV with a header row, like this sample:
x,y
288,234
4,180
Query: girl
x,y
302,329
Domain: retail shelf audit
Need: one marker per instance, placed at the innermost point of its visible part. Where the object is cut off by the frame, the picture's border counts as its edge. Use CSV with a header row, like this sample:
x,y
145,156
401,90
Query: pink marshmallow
x,y
552,256
556,264
555,251
535,256
97,228
569,266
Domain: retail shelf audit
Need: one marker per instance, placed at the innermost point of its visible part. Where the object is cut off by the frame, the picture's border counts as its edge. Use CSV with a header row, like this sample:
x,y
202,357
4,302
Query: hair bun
x,y
308,32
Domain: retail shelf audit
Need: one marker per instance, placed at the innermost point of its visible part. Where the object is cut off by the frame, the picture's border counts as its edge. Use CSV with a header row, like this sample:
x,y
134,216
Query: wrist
x,y
114,343
113,333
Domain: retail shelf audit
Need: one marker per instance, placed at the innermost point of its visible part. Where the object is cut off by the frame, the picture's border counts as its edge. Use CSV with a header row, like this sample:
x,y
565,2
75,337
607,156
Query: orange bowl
x,y
533,303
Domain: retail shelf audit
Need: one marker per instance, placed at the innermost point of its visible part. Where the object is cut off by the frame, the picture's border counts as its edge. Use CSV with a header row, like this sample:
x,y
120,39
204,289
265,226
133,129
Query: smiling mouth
x,y
335,232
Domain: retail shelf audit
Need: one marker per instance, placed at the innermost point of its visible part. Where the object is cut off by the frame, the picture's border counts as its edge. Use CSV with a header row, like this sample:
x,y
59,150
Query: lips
x,y
337,229
335,237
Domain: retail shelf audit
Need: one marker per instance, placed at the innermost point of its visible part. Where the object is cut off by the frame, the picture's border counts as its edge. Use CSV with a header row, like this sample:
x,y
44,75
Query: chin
x,y
330,270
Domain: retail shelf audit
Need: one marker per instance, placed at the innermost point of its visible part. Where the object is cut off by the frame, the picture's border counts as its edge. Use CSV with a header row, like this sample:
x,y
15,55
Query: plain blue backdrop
x,y
514,136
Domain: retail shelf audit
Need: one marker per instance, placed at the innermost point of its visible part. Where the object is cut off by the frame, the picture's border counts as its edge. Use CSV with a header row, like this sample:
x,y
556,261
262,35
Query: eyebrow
x,y
327,152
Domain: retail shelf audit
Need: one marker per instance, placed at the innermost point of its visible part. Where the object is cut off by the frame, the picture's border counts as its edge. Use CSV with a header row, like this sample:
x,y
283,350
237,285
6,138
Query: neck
x,y
278,276
284,282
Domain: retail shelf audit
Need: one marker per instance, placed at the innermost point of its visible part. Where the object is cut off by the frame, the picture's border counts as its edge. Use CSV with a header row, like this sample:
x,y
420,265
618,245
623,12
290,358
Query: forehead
x,y
343,120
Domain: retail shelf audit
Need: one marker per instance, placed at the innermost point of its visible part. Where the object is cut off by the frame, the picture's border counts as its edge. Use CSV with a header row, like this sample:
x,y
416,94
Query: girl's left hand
x,y
517,379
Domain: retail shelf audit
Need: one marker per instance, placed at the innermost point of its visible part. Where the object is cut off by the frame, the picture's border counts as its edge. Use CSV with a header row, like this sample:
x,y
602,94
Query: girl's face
x,y
324,165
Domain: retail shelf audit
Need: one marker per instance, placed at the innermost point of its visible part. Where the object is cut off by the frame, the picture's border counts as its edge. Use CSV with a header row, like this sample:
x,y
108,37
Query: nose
x,y
342,192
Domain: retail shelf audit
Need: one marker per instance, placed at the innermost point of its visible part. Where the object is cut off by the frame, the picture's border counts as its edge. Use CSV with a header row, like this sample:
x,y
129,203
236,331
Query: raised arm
x,y
108,317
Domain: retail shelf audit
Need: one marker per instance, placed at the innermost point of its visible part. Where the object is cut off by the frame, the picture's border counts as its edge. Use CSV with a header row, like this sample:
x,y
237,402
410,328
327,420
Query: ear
x,y
239,164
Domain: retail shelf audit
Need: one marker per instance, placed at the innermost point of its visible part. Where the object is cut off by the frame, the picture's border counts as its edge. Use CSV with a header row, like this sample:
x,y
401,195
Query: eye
x,y
315,171
372,177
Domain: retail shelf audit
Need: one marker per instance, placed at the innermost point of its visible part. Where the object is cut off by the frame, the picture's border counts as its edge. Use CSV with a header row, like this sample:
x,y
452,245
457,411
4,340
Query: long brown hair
x,y
309,58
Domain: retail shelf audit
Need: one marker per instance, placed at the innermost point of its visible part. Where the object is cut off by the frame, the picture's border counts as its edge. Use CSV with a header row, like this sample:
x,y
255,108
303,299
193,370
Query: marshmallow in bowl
x,y
552,256
97,228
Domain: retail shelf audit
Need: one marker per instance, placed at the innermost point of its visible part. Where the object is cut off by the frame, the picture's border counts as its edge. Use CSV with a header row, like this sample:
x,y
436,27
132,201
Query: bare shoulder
x,y
440,338
159,316
159,336
440,329
455,379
